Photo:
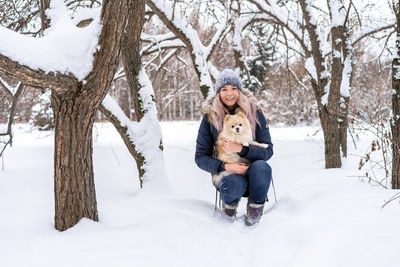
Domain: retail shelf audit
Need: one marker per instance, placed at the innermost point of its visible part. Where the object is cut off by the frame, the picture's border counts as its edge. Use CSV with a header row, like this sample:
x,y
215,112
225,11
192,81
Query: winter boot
x,y
254,213
230,209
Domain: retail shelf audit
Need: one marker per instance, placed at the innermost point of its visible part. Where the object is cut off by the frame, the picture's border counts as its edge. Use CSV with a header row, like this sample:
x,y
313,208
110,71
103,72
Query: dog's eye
x,y
233,126
240,124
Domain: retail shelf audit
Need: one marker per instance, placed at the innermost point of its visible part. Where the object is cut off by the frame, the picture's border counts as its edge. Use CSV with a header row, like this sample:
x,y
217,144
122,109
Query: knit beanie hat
x,y
228,76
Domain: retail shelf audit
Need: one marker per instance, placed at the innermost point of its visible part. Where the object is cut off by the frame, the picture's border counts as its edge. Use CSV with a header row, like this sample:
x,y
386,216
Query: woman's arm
x,y
254,152
204,149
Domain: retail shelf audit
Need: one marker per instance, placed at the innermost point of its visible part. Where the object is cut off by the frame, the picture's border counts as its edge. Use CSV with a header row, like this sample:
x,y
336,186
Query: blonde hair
x,y
249,107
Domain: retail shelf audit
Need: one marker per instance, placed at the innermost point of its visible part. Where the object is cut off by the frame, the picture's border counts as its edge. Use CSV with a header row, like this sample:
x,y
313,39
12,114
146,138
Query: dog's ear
x,y
227,117
241,114
239,109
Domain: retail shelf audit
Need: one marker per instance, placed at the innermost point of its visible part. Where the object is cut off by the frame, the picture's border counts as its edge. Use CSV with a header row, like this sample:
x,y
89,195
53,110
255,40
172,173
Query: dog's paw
x,y
260,144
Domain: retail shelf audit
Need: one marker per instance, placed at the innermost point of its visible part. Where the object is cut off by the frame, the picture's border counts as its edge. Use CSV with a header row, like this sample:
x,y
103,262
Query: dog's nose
x,y
237,129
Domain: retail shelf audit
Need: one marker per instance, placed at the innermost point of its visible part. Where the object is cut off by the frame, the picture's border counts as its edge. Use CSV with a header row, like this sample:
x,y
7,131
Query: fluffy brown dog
x,y
236,129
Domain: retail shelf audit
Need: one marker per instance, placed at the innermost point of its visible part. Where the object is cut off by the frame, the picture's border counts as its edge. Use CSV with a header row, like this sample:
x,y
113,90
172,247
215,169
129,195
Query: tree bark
x,y
37,78
395,122
331,139
340,135
74,189
74,116
344,125
43,5
132,64
131,56
328,113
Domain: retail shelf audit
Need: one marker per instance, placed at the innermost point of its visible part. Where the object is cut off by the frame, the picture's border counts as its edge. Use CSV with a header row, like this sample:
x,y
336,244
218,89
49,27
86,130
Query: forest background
x,y
278,77
328,63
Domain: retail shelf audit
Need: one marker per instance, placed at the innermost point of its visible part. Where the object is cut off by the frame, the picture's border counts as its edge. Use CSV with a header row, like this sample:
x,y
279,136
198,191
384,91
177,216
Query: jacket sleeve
x,y
262,136
204,149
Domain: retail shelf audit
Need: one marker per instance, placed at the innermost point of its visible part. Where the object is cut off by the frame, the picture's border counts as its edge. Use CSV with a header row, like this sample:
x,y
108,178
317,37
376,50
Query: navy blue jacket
x,y
207,136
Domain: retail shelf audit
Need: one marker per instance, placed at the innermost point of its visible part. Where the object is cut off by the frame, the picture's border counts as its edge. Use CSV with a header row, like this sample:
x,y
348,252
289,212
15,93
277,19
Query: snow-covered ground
x,y
322,218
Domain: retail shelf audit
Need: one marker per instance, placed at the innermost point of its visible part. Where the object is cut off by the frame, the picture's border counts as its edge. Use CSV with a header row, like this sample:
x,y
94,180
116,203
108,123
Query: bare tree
x,y
199,53
395,121
14,93
74,105
329,65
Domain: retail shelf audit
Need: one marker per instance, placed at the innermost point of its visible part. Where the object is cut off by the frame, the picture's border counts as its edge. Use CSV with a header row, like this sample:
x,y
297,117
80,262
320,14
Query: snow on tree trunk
x,y
142,138
147,133
339,136
344,123
131,57
117,117
327,94
395,122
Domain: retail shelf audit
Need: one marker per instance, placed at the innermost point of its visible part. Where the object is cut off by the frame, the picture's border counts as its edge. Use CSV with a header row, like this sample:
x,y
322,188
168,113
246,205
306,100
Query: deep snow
x,y
322,218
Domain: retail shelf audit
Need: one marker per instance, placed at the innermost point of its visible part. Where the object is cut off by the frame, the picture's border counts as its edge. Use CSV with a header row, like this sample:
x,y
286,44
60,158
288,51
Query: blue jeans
x,y
255,183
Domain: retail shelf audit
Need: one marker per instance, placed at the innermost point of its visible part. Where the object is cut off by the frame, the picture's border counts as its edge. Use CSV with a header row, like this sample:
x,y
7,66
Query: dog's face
x,y
236,124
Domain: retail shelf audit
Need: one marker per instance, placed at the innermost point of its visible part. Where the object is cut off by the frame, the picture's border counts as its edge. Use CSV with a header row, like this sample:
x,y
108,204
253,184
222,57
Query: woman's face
x,y
229,94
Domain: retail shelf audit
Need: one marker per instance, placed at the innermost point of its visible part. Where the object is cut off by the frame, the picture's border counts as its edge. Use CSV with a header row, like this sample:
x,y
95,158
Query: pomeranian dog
x,y
236,128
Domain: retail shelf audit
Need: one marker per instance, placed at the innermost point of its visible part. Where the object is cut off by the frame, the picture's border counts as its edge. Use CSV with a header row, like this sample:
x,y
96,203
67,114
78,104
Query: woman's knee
x,y
232,187
260,174
260,166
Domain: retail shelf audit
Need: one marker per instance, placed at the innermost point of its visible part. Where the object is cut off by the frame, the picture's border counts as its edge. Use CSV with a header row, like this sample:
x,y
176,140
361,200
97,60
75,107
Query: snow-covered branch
x,y
282,17
158,47
157,43
368,32
143,139
15,93
338,13
199,53
54,52
10,89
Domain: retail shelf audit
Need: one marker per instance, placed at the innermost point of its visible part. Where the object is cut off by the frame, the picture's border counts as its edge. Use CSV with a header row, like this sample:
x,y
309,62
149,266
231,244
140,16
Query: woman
x,y
252,181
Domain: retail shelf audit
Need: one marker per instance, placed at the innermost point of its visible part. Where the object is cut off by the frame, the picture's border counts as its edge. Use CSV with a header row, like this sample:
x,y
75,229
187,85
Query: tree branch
x,y
373,31
37,78
109,52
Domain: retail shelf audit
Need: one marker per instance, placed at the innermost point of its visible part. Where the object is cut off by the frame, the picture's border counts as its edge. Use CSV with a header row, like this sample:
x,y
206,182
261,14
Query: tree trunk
x,y
344,125
395,122
192,103
395,125
132,65
335,92
328,113
123,132
331,139
74,106
43,6
131,56
75,195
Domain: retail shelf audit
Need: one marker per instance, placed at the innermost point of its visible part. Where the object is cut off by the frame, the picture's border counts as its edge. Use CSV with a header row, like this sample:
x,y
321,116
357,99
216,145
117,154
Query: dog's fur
x,y
236,128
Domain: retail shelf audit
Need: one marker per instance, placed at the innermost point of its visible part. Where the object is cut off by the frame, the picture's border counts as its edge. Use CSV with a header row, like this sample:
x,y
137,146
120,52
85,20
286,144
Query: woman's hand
x,y
232,146
236,168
